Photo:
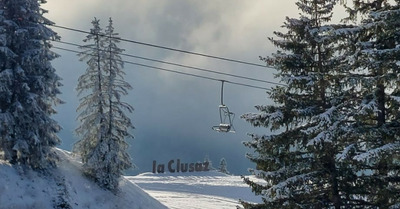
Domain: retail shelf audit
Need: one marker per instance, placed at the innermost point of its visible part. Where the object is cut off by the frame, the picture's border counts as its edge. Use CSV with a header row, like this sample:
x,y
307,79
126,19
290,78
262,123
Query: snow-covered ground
x,y
205,190
65,187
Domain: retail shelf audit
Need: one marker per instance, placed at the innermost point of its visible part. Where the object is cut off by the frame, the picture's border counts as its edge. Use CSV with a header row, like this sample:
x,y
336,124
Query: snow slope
x,y
205,190
65,187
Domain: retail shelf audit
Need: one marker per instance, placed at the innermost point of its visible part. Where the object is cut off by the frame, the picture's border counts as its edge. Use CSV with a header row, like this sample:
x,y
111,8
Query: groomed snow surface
x,y
202,190
66,187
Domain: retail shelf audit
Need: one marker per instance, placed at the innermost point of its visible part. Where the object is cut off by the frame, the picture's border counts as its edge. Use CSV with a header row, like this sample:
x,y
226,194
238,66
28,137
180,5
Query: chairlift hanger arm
x,y
222,92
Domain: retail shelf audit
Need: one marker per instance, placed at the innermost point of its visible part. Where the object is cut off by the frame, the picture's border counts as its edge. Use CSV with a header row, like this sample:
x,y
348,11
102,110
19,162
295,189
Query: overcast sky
x,y
174,113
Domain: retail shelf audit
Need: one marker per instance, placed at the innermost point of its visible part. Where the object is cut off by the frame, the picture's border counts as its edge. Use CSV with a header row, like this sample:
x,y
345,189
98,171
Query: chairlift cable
x,y
184,66
167,48
177,72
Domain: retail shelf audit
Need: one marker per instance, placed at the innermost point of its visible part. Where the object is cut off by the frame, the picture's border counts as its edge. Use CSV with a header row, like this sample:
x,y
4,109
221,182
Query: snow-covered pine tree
x,y
110,157
103,148
223,166
28,85
298,161
92,106
373,60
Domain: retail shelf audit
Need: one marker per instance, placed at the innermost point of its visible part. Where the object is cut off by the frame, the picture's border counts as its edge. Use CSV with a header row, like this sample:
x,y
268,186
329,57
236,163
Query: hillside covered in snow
x,y
65,187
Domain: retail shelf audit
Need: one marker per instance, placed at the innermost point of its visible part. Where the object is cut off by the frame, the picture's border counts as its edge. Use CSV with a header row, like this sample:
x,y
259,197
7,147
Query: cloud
x,y
174,113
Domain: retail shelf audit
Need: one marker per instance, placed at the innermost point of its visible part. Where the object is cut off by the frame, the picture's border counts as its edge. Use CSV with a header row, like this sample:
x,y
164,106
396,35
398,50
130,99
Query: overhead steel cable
x,y
176,72
184,66
198,76
168,48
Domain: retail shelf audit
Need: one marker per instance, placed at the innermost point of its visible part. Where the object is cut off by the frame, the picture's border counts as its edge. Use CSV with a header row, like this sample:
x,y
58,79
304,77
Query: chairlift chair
x,y
226,116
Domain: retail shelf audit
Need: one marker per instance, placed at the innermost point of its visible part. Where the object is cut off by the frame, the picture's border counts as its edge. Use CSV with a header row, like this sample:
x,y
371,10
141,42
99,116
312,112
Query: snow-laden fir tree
x,y
28,85
308,119
223,166
373,60
110,157
91,88
104,149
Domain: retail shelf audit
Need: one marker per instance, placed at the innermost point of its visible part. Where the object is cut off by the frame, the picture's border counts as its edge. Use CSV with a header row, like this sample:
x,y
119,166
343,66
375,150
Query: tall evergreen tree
x,y
110,157
91,84
105,148
373,62
299,162
28,84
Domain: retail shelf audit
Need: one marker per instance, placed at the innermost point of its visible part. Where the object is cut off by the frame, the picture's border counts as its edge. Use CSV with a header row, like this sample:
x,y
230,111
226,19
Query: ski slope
x,y
65,187
202,190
